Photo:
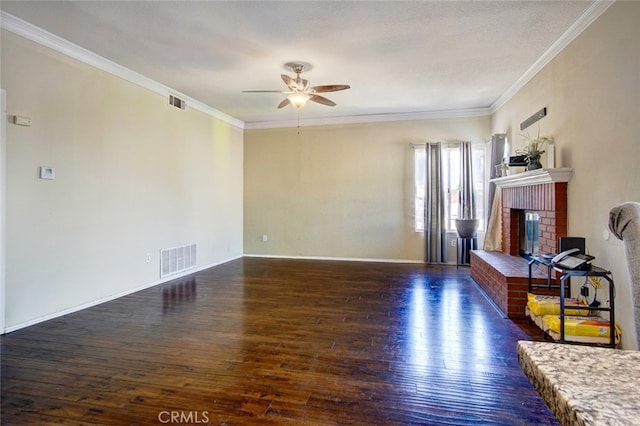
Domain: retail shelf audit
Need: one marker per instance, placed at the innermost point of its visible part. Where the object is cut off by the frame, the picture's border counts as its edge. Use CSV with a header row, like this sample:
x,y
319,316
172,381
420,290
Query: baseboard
x,y
337,259
192,271
113,297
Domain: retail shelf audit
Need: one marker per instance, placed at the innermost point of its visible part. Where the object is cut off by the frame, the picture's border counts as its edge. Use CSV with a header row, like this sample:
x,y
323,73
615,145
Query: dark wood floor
x,y
272,341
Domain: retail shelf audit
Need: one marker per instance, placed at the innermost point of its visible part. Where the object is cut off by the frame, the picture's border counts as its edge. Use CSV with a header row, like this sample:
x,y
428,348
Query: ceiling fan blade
x,y
330,88
263,91
290,82
284,103
322,100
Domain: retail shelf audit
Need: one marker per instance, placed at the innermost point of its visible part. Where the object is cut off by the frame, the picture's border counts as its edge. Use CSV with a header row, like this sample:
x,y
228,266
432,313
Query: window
x,y
451,183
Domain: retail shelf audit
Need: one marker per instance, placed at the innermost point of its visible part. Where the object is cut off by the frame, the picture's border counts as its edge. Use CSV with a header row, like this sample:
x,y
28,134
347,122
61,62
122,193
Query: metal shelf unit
x,y
566,274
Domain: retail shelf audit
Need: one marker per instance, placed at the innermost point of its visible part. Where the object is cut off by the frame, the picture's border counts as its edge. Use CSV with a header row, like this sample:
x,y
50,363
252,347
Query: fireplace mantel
x,y
543,191
534,177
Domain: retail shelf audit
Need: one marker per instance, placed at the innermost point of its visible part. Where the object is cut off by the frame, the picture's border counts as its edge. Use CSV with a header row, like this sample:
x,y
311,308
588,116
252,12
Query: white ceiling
x,y
400,57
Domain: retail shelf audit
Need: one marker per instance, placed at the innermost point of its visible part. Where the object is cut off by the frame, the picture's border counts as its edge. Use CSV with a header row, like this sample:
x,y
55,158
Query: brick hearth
x,y
506,280
504,274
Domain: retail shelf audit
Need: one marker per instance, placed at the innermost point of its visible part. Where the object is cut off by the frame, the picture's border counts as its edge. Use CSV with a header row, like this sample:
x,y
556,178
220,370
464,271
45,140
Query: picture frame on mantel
x,y
551,156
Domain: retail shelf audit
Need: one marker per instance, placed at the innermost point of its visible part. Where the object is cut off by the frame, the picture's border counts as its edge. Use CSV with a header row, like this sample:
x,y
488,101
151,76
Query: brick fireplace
x,y
504,275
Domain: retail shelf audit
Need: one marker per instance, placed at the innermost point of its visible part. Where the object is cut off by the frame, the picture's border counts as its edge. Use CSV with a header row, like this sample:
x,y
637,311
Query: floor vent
x,y
177,259
177,102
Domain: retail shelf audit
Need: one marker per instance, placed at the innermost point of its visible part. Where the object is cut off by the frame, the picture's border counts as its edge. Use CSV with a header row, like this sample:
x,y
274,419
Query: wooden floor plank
x,y
277,341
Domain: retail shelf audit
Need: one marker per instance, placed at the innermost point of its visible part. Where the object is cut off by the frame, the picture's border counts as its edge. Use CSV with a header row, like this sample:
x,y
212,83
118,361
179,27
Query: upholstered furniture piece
x,y
584,385
624,222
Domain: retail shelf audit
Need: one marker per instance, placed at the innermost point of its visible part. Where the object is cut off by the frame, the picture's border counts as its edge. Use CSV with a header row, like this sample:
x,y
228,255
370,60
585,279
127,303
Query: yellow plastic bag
x,y
550,305
580,326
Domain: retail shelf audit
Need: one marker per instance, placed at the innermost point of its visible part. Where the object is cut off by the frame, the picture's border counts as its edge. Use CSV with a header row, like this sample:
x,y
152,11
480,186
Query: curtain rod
x,y
416,145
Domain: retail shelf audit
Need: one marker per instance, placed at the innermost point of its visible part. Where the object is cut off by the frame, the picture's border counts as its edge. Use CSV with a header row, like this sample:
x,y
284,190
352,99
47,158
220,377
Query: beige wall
x,y
133,175
340,191
592,91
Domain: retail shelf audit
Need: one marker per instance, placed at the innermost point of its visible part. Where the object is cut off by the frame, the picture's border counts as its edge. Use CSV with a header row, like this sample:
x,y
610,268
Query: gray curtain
x,y
434,233
467,206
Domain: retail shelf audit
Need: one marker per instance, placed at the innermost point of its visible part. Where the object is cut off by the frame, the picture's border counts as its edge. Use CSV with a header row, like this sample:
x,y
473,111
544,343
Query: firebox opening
x,y
529,233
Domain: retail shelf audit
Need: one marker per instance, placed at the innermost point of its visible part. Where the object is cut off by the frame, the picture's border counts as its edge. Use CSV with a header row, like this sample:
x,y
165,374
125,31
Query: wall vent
x,y
177,102
177,259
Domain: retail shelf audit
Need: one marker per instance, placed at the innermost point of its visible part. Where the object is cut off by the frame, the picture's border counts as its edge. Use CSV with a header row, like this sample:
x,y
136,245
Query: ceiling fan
x,y
300,90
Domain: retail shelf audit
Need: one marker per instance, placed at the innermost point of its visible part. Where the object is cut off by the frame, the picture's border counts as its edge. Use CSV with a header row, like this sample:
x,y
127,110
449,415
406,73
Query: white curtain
x,y
493,238
434,206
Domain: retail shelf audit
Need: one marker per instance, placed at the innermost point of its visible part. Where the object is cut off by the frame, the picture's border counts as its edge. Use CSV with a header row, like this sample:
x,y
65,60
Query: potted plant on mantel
x,y
534,149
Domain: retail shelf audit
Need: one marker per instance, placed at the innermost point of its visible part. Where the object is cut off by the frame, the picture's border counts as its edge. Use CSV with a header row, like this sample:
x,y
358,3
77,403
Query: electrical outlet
x,y
265,238
453,243
147,258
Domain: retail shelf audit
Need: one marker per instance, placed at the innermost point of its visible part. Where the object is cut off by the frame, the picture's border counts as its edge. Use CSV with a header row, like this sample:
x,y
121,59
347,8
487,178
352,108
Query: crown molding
x,y
38,35
534,177
52,41
47,39
369,118
591,14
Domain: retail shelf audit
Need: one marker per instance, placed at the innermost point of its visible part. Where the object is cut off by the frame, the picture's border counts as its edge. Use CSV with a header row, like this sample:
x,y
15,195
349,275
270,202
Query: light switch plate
x,y
47,172
22,121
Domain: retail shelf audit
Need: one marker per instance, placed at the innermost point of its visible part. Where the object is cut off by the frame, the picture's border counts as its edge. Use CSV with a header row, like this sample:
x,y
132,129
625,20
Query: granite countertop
x,y
584,385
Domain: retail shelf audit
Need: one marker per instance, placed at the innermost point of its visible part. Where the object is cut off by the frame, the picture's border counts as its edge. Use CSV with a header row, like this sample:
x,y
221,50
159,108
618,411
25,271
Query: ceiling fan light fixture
x,y
300,90
298,100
